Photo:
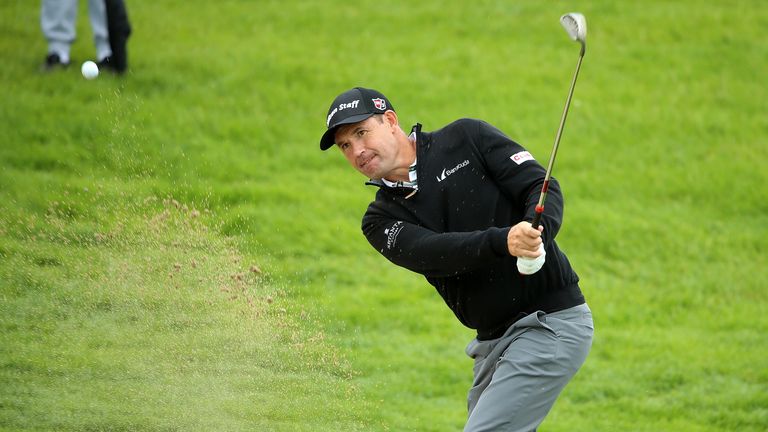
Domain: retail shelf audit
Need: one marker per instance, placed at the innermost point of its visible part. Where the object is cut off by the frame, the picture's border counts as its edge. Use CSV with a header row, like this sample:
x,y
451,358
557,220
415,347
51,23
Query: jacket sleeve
x,y
520,177
430,253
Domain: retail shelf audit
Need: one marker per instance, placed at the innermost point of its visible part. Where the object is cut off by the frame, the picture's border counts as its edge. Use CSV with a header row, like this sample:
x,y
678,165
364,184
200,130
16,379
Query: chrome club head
x,y
576,25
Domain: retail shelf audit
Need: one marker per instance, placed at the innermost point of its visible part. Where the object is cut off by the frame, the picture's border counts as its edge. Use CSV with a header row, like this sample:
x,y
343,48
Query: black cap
x,y
352,106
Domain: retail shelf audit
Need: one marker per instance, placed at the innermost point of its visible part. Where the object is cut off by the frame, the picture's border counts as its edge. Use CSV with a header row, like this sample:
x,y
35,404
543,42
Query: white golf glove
x,y
529,266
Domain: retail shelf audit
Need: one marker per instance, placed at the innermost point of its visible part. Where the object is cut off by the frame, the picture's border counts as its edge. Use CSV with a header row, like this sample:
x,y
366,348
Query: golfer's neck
x,y
400,174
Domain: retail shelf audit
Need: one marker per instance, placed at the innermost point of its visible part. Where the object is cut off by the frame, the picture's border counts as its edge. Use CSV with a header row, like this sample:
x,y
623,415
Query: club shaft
x,y
545,185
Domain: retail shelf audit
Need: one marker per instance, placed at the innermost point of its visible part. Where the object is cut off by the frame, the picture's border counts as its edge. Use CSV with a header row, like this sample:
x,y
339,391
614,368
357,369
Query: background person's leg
x,y
119,30
57,21
97,14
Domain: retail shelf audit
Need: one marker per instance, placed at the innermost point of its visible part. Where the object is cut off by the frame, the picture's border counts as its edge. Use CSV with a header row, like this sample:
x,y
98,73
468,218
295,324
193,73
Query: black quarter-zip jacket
x,y
474,184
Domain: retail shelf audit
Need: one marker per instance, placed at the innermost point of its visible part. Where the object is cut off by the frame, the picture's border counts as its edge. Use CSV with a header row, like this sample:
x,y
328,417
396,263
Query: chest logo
x,y
446,172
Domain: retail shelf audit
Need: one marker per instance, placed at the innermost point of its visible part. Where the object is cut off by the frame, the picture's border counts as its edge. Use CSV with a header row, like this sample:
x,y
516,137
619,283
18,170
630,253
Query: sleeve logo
x,y
521,157
392,233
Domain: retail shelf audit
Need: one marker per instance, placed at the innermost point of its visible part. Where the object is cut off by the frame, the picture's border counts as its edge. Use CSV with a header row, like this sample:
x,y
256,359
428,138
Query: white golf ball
x,y
89,70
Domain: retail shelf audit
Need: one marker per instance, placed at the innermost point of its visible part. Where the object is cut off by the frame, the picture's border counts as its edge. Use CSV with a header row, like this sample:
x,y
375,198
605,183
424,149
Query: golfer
x,y
454,205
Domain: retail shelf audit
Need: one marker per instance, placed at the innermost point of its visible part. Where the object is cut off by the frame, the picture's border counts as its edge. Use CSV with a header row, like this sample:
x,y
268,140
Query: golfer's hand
x,y
525,243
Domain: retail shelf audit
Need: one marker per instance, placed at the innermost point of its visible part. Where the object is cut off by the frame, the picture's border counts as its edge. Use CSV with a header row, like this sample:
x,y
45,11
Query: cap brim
x,y
329,137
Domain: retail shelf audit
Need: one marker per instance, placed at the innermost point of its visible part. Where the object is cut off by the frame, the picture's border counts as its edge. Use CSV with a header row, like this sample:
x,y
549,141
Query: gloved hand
x,y
529,266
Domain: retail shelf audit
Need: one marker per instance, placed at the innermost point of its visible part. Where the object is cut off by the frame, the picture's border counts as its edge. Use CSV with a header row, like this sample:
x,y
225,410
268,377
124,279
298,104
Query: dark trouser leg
x,y
119,31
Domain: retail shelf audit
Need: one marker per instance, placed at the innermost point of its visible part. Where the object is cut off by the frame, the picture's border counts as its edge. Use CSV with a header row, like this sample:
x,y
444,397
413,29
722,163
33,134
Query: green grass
x,y
132,211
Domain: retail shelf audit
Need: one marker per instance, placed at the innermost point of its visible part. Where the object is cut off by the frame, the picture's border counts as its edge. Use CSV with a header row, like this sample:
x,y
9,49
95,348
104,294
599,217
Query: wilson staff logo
x,y
446,172
341,107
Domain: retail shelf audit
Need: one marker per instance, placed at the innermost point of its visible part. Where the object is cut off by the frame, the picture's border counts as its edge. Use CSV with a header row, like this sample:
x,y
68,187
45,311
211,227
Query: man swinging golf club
x,y
455,205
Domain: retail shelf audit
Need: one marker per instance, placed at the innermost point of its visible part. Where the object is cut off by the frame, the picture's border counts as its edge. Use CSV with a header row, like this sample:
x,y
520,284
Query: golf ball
x,y
89,70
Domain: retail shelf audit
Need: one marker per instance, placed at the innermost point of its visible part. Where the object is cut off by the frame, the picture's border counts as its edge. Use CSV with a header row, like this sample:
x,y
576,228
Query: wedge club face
x,y
575,25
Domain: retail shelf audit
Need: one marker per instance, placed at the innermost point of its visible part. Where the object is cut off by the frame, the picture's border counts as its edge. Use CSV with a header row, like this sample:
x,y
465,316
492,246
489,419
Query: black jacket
x,y
474,183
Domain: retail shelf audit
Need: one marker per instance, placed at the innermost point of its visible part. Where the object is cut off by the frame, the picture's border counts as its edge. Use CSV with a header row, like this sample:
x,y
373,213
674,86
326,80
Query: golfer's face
x,y
369,146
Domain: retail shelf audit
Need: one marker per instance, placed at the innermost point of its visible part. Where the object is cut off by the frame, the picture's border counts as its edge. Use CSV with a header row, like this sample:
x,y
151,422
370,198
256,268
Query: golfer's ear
x,y
391,118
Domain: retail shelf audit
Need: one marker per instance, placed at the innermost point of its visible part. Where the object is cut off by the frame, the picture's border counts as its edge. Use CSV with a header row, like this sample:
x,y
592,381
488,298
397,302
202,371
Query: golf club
x,y
576,26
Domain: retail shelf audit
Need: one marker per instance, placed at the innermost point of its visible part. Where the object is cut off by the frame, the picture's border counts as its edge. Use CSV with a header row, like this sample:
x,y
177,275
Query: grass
x,y
176,254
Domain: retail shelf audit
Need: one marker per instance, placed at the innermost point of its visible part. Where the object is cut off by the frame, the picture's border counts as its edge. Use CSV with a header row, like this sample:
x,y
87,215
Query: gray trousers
x,y
58,18
518,377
